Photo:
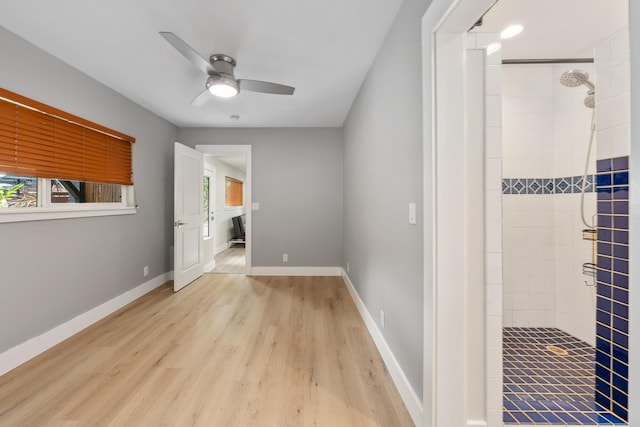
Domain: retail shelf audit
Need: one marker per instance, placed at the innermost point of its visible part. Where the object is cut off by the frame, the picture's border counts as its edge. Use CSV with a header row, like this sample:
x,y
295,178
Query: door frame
x,y
238,150
211,174
446,399
452,18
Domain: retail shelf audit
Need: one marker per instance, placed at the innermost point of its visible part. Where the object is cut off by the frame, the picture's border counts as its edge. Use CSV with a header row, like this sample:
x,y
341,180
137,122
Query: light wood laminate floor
x,y
231,260
227,350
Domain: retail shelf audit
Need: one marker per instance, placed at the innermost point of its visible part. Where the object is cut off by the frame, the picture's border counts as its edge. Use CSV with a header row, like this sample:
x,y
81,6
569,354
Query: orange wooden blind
x,y
41,141
233,192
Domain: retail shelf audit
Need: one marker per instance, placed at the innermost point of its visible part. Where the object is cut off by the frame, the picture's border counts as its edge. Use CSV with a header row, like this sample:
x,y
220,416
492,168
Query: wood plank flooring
x,y
231,260
227,350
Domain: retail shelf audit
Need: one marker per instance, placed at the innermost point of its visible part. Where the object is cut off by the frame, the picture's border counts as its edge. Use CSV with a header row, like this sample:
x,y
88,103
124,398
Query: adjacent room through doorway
x,y
225,212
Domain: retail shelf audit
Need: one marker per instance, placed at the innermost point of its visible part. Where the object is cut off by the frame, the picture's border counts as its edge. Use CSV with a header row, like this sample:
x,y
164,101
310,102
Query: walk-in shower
x,y
550,342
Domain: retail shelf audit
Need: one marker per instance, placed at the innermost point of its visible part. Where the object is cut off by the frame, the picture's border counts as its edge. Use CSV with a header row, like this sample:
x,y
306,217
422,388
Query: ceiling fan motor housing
x,y
223,75
223,64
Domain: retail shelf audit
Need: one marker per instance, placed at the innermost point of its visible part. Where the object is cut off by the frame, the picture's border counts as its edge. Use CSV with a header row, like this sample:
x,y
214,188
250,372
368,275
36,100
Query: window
x,y
55,163
233,196
18,191
63,191
205,218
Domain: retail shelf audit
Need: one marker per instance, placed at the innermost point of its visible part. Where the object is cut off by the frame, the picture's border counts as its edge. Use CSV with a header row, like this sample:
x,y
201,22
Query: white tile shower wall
x,y
575,297
529,253
527,147
572,124
527,109
493,240
493,226
612,96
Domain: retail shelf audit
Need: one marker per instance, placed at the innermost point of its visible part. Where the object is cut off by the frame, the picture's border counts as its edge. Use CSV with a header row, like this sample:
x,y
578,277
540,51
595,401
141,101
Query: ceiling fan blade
x,y
188,52
265,87
201,98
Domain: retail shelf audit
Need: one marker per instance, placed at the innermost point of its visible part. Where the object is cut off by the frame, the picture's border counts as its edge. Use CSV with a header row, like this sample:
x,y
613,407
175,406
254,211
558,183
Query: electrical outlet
x,y
285,257
382,318
145,271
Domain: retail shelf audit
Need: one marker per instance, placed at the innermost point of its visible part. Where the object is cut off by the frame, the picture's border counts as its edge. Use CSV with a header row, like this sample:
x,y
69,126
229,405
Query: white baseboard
x,y
476,423
21,353
209,266
296,271
407,393
221,248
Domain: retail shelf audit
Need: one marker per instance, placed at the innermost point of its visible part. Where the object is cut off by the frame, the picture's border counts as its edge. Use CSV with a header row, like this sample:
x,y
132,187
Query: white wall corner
x,y
407,393
31,348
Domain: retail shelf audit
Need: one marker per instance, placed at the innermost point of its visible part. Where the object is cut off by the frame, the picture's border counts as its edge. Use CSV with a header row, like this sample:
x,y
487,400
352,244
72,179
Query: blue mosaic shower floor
x,y
542,387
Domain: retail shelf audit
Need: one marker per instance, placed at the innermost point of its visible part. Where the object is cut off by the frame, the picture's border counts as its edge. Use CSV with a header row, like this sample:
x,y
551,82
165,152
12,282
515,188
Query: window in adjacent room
x,y
233,196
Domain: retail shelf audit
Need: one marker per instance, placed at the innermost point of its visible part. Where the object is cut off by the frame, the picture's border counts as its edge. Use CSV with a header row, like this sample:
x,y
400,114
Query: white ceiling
x,y
322,48
555,28
236,162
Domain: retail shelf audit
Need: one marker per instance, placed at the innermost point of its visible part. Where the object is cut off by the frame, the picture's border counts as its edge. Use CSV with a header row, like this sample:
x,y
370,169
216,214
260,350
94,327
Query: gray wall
x,y
297,179
382,175
55,270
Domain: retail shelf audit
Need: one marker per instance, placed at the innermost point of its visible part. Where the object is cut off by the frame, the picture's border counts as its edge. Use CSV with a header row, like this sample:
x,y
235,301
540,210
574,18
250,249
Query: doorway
x,y
445,25
225,248
233,162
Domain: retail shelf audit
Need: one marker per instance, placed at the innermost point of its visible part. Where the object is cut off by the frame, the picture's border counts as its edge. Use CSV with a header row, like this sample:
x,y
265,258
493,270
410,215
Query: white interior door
x,y
188,209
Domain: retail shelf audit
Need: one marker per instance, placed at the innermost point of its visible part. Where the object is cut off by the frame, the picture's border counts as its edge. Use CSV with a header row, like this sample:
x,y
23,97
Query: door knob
x,y
179,223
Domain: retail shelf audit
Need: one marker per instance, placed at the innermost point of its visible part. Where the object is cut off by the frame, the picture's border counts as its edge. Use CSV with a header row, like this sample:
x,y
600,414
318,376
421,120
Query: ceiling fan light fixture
x,y
221,86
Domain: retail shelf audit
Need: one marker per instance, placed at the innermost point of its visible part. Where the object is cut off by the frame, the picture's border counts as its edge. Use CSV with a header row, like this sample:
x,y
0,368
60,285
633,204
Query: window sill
x,y
43,214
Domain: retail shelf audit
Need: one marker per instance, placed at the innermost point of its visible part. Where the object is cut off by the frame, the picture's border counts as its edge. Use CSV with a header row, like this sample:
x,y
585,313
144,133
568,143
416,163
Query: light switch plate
x,y
412,213
255,206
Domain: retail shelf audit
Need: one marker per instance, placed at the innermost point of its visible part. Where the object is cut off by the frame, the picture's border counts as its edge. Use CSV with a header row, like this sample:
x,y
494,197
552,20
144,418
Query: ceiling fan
x,y
221,81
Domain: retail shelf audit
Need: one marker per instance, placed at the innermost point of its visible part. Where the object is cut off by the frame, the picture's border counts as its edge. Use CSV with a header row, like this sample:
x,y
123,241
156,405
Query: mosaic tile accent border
x,y
544,387
566,185
612,314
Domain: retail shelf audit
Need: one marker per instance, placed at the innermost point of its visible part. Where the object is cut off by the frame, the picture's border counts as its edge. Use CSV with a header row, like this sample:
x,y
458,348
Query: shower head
x,y
575,78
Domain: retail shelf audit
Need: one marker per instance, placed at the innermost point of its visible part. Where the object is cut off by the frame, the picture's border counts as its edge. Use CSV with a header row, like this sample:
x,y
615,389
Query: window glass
x,y
18,192
84,192
205,203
